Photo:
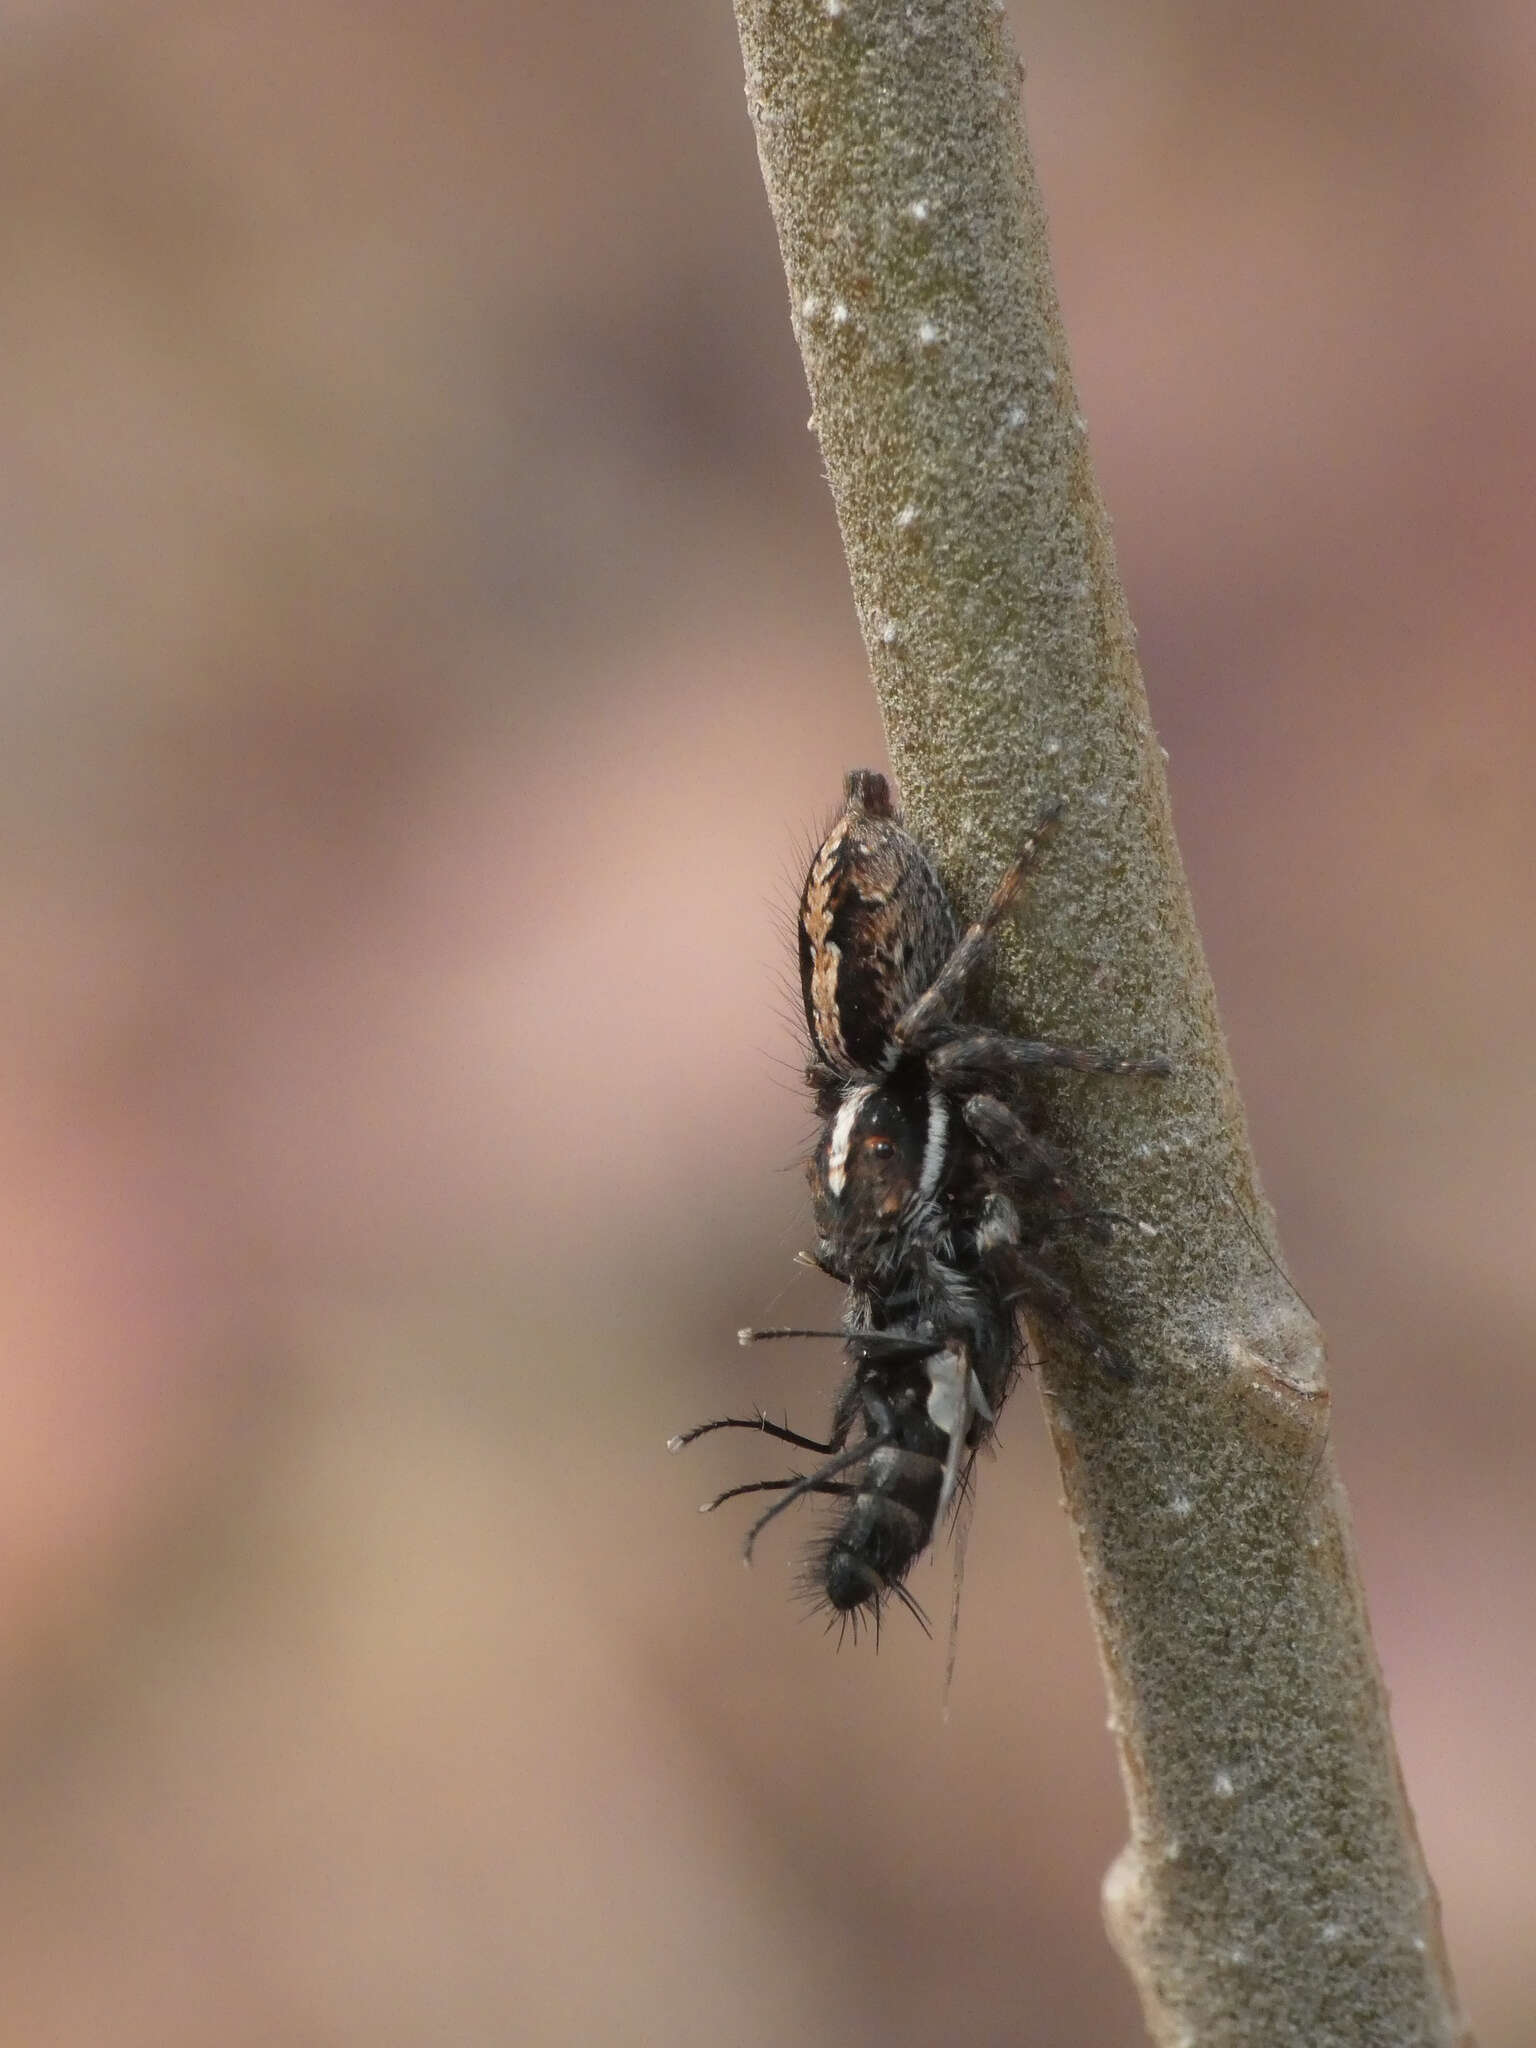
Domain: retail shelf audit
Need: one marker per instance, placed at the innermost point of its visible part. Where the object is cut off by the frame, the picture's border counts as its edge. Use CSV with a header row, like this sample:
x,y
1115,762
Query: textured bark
x,y
1273,1888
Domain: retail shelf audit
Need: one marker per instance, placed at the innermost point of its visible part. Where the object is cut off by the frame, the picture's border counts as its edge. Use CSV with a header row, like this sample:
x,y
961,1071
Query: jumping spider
x,y
935,1201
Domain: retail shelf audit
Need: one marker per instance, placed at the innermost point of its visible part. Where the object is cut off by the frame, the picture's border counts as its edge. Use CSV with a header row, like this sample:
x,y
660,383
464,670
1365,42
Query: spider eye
x,y
881,1148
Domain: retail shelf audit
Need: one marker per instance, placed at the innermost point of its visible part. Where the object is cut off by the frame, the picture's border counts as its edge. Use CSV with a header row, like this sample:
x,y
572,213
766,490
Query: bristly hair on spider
x,y
936,1199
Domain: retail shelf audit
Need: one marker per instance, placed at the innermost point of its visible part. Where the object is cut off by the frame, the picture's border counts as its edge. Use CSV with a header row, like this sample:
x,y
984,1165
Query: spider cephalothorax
x,y
936,1200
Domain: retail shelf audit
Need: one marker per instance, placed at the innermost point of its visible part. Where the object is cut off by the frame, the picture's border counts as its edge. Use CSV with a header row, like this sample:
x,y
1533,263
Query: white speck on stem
x,y
1331,1931
1223,1786
927,334
1182,1507
839,313
834,9
810,307
1018,415
906,517
1050,374
919,211
1051,749
890,632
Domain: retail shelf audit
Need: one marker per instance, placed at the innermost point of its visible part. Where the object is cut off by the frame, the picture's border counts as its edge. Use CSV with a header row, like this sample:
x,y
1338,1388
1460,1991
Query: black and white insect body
x,y
936,1201
917,1405
895,1504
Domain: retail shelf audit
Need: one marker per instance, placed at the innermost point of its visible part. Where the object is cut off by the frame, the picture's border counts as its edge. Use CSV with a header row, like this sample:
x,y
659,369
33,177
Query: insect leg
x,y
813,1483
750,1336
758,1422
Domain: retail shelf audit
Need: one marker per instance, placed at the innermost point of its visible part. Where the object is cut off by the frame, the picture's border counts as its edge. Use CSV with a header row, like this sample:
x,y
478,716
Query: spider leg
x,y
916,1027
1095,1221
994,1056
1026,1159
1031,1163
1034,1283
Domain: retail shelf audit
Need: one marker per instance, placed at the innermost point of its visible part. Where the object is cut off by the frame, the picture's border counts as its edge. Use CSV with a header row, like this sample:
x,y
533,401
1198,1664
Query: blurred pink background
x,y
426,654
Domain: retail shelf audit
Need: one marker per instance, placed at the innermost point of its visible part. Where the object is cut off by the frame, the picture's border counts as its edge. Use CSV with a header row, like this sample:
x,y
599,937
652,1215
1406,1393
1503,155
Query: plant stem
x,y
1273,1890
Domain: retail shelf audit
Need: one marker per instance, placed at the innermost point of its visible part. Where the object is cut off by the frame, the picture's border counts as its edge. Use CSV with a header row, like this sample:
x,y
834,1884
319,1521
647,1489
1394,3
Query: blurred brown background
x,y
426,654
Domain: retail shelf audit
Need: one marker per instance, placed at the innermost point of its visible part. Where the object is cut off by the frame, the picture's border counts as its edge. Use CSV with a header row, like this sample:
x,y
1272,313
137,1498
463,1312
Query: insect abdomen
x,y
889,1524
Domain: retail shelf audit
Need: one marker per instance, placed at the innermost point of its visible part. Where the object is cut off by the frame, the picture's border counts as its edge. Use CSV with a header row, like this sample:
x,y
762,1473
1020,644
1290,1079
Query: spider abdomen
x,y
875,927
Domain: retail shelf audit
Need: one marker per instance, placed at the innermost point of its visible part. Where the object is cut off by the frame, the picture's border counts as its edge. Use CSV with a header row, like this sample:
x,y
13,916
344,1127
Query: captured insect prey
x,y
936,1202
